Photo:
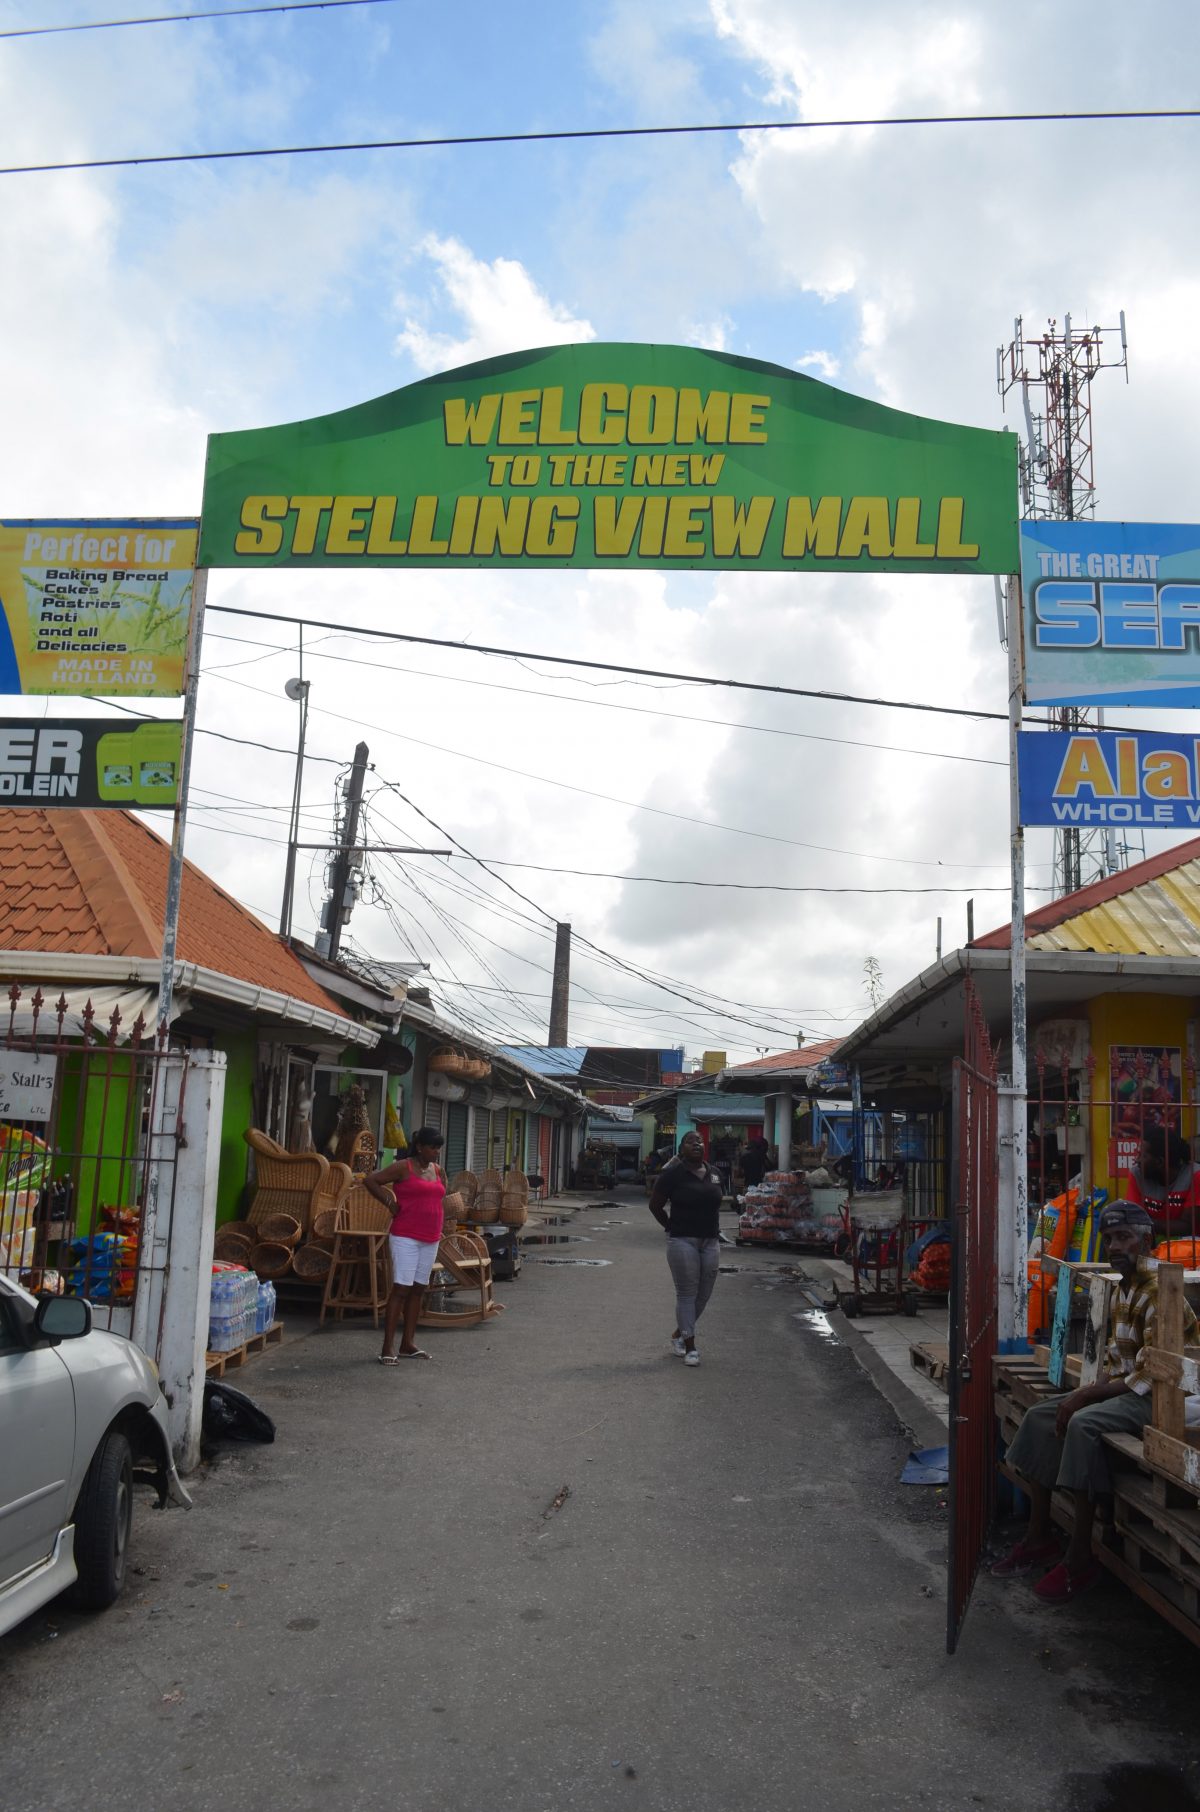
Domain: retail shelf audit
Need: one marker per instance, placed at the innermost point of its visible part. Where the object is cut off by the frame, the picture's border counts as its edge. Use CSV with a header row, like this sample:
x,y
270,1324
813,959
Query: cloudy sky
x,y
142,309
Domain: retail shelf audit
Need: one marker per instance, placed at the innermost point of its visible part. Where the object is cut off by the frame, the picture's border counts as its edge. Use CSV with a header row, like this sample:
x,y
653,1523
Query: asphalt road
x,y
735,1605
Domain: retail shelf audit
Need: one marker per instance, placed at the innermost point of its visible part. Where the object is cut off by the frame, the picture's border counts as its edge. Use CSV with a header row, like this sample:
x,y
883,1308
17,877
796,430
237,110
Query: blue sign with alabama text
x,y
1112,613
1091,778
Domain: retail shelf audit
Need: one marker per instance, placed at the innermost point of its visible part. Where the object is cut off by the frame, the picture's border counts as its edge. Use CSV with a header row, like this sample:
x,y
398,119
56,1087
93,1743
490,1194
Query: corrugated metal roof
x,y
553,1060
1161,917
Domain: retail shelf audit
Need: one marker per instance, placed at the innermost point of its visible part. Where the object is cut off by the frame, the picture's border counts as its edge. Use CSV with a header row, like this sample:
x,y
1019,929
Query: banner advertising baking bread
x,y
96,608
1086,778
1112,613
616,456
90,761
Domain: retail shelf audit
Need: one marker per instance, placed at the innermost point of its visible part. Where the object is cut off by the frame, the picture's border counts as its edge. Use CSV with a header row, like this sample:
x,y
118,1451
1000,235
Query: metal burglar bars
x,y
79,1159
975,1185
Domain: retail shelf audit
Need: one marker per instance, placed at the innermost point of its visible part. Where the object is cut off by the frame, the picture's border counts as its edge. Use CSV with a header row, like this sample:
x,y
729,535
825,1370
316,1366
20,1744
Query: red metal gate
x,y
975,1186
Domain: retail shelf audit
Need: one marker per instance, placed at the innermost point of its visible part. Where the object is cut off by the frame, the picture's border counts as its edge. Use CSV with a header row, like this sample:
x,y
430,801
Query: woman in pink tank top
x,y
413,1187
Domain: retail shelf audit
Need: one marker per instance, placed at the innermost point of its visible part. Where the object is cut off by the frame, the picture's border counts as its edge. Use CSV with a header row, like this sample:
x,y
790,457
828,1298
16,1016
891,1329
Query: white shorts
x,y
412,1259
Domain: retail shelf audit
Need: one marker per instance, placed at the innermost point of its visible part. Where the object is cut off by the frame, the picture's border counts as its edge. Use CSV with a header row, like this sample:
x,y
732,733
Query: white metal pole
x,y
1018,1220
166,986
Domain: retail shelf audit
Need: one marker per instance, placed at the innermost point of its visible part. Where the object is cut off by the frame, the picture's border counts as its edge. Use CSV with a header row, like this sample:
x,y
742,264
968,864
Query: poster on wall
x,y
1112,613
1090,777
1146,1083
95,762
96,608
616,456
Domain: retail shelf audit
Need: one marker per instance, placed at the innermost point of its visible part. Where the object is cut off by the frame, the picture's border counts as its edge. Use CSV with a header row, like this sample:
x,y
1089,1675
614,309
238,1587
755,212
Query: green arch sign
x,y
615,456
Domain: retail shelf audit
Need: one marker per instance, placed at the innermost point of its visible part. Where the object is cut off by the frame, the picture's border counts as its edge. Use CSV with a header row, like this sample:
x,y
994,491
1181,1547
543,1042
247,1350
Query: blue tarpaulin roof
x,y
561,1060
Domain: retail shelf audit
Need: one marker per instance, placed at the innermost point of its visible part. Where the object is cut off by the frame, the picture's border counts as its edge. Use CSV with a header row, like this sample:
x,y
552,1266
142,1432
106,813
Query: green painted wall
x,y
241,1053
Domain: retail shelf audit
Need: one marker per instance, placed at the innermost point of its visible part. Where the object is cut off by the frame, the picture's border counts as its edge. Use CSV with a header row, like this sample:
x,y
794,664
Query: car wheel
x,y
103,1519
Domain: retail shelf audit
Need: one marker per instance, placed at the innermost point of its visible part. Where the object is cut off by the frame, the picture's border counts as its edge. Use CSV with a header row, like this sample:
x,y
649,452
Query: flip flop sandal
x,y
388,1359
418,1352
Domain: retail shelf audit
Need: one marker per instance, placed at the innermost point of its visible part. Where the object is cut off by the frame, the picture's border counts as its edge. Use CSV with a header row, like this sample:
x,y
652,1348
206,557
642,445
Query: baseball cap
x,y
1125,1214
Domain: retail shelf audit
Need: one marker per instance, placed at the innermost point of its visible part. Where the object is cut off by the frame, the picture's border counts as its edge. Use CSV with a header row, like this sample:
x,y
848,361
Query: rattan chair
x,y
465,1265
286,1182
360,1272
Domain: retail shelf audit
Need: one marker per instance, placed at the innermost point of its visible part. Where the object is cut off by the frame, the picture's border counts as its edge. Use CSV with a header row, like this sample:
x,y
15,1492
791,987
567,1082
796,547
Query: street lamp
x,y
297,691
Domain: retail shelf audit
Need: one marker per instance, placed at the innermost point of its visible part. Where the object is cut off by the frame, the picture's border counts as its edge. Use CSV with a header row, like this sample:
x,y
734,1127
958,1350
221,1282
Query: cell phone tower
x,y
1054,375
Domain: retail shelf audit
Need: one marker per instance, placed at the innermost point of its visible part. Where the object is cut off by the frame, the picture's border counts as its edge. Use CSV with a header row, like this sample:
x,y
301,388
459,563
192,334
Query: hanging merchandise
x,y
779,1211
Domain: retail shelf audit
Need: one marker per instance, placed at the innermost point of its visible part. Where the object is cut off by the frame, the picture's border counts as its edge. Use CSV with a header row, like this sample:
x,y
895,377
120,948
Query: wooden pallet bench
x,y
932,1357
1153,1542
217,1364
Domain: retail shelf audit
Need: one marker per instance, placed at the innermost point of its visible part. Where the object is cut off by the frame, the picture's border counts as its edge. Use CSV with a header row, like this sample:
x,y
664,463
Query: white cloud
x,y
823,363
500,307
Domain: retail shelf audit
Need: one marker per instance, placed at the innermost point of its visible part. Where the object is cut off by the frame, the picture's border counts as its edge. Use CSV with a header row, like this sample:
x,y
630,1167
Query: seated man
x,y
1060,1443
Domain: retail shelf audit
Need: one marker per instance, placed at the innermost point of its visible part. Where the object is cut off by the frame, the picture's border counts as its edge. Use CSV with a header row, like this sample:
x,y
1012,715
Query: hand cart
x,y
876,1228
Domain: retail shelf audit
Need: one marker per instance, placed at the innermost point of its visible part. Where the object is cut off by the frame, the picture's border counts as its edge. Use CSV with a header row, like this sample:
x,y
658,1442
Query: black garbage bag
x,y
229,1415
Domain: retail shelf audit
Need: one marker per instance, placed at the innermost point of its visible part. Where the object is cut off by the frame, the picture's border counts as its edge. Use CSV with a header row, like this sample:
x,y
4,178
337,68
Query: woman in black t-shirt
x,y
686,1201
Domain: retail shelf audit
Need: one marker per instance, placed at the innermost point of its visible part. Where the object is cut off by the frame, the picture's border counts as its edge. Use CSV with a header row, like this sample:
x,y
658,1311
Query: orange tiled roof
x,y
95,884
802,1058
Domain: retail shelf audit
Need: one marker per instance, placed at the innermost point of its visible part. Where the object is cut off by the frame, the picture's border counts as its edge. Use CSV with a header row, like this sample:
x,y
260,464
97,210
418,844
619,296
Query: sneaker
x,y
1060,1586
692,1358
677,1346
1023,1557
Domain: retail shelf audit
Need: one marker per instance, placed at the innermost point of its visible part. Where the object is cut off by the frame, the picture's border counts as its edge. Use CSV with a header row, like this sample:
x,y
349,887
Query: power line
x,y
641,673
601,704
579,134
634,805
223,12
604,874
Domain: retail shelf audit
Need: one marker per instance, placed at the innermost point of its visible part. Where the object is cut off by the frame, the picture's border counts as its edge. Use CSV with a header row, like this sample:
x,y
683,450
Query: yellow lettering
x,y
806,530
685,522
518,418
552,527
615,523
706,470
746,419
648,468
587,468
1165,775
501,525
262,525
1127,774
347,519
308,520
867,530
651,414
950,544
551,432
908,527
462,529
1084,765
702,420
739,530
675,468
424,521
383,521
596,427
469,421
654,522
614,468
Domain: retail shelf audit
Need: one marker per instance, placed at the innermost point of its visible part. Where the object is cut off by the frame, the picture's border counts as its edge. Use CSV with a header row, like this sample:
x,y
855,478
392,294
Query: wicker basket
x,y
246,1229
516,1183
270,1258
513,1211
232,1248
280,1230
325,1225
454,1210
465,1184
485,1209
448,1061
475,1069
312,1261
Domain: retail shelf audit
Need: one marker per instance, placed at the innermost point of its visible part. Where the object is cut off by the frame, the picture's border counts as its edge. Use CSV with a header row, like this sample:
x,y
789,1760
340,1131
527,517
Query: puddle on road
x,y
819,1322
554,1239
535,1258
1149,1787
554,1220
732,1270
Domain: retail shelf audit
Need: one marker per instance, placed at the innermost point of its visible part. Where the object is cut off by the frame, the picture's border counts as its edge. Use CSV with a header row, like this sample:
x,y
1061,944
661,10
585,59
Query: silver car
x,y
79,1411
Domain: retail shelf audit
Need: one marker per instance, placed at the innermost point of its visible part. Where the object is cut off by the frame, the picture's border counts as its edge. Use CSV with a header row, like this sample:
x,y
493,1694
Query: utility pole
x,y
347,862
560,987
1058,482
296,689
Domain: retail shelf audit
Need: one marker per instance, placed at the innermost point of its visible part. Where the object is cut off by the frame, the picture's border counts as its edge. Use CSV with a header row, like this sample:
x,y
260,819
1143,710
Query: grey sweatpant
x,y
693,1265
1080,1461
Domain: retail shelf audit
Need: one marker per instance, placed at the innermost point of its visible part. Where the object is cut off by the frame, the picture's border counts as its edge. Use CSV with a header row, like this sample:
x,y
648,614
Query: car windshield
x,y
10,1286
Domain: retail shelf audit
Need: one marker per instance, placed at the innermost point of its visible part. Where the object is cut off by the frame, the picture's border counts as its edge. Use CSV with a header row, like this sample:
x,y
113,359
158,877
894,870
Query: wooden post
x,y
1095,1335
1168,1337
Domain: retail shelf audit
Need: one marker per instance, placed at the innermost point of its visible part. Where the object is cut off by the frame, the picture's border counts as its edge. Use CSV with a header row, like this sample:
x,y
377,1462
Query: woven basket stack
x,y
514,1200
485,1209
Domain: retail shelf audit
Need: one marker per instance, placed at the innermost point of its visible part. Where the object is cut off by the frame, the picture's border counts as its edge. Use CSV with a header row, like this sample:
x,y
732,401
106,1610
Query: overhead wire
x,y
215,12
582,134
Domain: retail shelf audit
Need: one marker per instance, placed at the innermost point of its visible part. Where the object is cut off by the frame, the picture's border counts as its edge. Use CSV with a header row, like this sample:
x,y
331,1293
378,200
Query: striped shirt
x,y
1134,1313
